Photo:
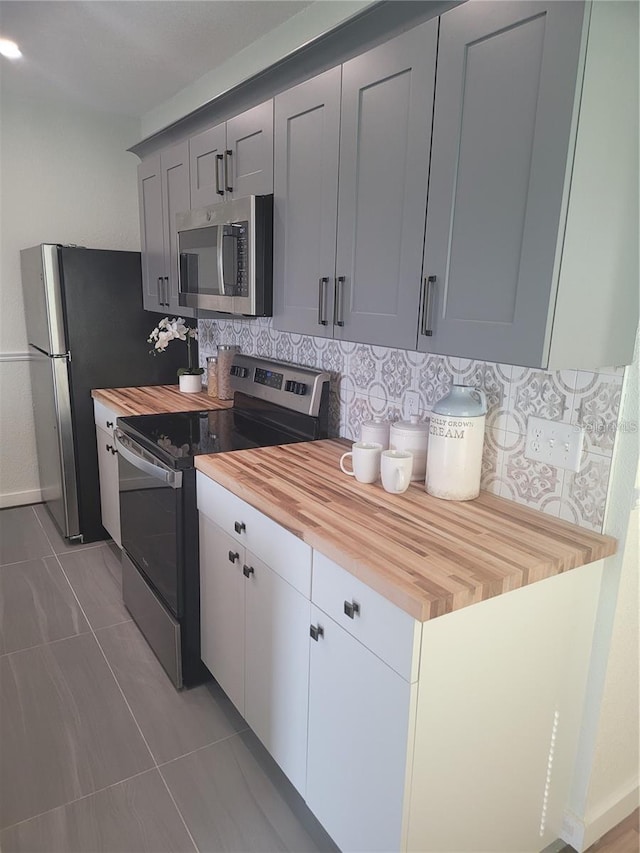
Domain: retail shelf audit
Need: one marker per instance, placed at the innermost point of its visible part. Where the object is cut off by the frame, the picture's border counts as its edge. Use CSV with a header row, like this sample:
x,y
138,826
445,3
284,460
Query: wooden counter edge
x,y
112,398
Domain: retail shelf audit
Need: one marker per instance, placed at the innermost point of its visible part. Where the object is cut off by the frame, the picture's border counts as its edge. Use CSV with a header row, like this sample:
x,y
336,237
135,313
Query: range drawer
x,y
385,629
105,418
283,552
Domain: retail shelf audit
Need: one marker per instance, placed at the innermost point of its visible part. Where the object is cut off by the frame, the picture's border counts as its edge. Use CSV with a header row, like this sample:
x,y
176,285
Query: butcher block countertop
x,y
155,400
427,556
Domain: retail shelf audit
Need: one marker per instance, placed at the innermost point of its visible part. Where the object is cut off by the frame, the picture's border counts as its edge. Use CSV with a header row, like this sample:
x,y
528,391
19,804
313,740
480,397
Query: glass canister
x,y
456,439
212,375
226,354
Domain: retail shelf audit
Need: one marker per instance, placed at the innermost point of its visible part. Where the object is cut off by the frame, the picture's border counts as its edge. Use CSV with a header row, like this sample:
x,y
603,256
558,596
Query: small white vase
x,y
190,383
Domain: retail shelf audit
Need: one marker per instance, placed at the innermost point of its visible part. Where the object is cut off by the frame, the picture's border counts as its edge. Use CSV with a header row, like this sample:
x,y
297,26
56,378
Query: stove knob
x,y
300,388
241,372
289,385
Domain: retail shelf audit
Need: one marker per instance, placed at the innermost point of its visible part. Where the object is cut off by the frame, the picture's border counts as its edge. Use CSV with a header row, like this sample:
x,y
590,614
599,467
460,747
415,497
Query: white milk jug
x,y
456,439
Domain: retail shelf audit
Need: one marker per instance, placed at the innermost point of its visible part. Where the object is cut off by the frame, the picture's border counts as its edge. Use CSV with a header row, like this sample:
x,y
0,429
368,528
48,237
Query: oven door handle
x,y
129,451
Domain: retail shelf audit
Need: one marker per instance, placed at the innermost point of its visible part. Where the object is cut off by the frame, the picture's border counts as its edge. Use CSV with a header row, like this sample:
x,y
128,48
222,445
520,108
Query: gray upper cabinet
x,y
234,158
163,191
307,136
361,148
502,145
385,132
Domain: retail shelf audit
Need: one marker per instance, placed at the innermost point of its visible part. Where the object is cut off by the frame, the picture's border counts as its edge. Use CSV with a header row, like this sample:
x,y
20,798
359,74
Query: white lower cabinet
x,y
254,641
108,471
360,714
459,734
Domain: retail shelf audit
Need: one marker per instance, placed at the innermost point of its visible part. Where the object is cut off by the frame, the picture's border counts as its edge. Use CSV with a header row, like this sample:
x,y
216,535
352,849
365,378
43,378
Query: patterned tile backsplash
x,y
370,381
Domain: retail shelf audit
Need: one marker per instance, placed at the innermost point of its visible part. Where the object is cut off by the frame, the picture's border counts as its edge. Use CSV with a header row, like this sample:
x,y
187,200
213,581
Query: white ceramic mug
x,y
395,468
365,458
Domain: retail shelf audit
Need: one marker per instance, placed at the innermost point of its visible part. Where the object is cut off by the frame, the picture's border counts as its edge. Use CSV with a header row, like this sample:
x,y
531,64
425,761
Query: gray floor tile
x,y
59,544
96,577
65,729
37,605
136,815
234,798
173,722
21,536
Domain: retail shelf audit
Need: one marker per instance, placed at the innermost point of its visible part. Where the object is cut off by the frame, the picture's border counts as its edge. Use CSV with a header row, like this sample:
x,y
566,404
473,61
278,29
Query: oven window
x,y
150,518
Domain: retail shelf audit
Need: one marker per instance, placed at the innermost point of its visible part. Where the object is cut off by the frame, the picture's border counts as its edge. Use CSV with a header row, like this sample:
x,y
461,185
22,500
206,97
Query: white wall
x,y
65,177
308,24
606,780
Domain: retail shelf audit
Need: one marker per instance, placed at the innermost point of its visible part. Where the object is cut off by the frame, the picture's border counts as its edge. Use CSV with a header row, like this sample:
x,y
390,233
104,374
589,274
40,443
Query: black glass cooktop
x,y
176,438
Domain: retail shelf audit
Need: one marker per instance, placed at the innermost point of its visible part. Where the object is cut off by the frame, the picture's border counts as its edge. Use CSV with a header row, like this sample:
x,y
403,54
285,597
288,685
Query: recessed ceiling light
x,y
10,49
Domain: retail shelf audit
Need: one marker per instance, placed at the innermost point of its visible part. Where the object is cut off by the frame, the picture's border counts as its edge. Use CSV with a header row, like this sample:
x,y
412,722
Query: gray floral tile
x,y
264,344
247,338
533,483
283,347
308,351
585,491
395,373
434,380
363,366
497,385
466,371
596,408
541,394
491,462
332,358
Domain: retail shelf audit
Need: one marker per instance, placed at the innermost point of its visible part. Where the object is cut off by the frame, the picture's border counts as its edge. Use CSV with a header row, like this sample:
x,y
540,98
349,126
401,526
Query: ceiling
x,y
127,56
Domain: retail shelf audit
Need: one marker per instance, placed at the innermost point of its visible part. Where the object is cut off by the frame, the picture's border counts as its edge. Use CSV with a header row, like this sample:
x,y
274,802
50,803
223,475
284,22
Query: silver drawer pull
x,y
239,526
351,609
316,631
426,325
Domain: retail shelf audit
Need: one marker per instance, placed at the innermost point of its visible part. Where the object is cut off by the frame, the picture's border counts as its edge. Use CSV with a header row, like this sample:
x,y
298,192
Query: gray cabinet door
x,y
501,147
385,134
175,199
206,171
151,233
307,125
249,152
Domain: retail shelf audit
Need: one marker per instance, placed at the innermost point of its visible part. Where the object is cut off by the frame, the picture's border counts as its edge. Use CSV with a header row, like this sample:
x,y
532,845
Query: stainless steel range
x,y
275,403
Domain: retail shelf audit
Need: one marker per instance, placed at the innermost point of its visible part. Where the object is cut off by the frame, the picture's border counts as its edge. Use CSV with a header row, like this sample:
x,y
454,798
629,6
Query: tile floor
x,y
98,751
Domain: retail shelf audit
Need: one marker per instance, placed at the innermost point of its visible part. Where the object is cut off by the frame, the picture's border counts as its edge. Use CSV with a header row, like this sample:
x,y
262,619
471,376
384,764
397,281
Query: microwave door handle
x,y
221,259
170,478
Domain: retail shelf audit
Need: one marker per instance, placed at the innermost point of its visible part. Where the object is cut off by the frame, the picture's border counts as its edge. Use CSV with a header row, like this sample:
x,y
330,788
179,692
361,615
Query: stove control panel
x,y
291,385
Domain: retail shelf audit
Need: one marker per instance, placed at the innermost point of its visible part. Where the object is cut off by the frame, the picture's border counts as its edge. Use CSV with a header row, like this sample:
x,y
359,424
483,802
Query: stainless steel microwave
x,y
225,257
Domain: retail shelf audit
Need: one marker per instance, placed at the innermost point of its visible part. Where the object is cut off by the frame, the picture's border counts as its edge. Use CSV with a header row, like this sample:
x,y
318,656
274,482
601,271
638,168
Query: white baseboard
x,y
581,833
9,499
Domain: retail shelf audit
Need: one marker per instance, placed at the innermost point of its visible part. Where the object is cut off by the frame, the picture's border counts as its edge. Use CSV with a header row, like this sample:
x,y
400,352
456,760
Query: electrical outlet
x,y
411,404
555,443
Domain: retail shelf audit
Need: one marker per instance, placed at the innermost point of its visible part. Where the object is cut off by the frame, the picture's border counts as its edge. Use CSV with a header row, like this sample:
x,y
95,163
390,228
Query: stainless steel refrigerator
x,y
86,329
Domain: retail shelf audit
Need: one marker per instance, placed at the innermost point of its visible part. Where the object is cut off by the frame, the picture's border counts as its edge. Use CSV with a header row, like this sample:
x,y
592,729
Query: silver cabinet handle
x,y
109,424
247,571
338,307
166,291
351,609
160,302
218,189
426,323
322,301
239,526
316,631
227,171
233,556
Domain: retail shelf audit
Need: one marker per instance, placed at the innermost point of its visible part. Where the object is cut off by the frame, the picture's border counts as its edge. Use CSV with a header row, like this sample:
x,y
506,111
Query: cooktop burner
x,y
178,437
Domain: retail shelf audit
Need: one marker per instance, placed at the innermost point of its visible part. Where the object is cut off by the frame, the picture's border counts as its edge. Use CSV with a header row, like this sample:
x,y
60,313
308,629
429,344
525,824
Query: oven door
x,y
151,519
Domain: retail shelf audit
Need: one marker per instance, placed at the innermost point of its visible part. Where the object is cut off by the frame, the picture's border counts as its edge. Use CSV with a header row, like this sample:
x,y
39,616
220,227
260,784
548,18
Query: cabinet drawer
x,y
387,631
283,552
105,418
